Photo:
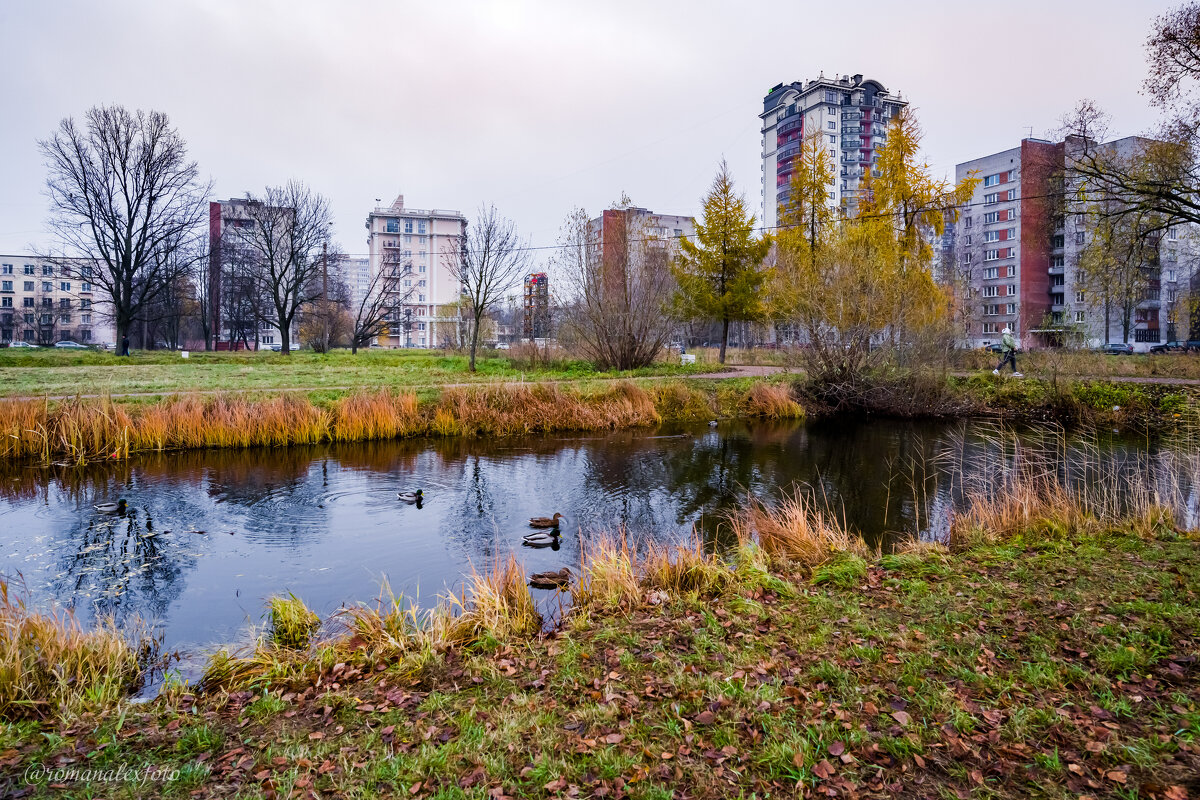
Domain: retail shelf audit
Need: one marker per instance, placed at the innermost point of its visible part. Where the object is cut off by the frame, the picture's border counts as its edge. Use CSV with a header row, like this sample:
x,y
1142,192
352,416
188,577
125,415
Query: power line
x,y
768,228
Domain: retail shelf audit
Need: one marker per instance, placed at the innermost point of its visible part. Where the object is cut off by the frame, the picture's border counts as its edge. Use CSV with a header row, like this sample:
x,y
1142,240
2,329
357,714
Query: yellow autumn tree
x,y
855,284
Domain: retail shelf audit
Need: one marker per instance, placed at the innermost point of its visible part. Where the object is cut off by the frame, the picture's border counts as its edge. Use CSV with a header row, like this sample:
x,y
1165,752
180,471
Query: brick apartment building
x,y
1015,252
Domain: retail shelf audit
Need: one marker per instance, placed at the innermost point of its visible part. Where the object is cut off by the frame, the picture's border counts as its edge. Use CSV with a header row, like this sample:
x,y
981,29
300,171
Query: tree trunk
x,y
475,340
724,338
285,344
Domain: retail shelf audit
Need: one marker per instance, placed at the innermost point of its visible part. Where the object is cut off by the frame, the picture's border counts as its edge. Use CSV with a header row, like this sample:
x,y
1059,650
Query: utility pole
x,y
325,291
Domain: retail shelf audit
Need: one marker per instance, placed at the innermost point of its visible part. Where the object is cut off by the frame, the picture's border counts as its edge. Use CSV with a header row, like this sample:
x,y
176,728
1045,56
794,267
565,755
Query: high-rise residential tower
x,y
850,113
415,245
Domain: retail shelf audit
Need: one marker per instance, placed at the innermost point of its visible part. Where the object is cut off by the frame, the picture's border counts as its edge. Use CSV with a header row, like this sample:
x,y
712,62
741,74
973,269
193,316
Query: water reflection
x,y
209,535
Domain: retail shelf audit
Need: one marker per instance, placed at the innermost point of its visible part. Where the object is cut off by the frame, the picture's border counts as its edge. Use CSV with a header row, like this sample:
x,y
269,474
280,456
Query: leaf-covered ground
x,y
1066,669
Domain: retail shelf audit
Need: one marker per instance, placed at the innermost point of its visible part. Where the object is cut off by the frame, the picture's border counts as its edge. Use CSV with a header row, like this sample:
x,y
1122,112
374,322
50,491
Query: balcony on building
x,y
791,122
788,150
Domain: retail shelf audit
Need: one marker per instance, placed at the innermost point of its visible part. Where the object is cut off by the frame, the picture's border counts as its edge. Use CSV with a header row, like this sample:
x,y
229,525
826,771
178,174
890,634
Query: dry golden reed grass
x,y
797,530
50,666
771,401
615,574
88,430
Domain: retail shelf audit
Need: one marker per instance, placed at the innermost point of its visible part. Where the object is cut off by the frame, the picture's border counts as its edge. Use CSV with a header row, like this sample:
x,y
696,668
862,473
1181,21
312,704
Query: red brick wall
x,y
1040,162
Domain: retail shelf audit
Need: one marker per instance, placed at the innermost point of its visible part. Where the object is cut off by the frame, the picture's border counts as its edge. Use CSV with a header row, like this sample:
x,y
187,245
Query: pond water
x,y
208,536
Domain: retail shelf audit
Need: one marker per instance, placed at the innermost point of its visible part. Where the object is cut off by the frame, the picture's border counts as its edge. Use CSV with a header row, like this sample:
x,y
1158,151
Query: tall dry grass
x,y
771,401
88,430
1055,486
616,574
798,529
50,666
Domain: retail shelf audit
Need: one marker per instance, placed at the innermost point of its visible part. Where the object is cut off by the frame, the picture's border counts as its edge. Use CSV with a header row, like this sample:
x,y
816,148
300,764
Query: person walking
x,y
1008,346
124,345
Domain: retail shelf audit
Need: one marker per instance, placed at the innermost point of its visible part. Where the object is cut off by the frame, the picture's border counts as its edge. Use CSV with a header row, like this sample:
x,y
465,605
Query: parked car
x,y
66,344
502,346
277,347
1170,347
19,343
1117,349
996,347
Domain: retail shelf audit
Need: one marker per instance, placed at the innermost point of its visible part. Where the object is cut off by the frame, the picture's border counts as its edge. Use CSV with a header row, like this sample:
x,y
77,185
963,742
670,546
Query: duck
x,y
712,423
111,508
411,497
546,522
540,539
556,579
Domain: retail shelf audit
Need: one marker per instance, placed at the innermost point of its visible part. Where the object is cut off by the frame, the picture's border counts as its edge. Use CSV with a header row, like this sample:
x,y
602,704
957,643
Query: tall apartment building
x,y
617,231
238,319
357,273
49,301
851,114
414,246
1016,249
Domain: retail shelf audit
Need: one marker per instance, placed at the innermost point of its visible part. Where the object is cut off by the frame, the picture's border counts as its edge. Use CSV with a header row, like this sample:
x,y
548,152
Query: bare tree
x,y
618,288
382,307
289,226
489,260
124,195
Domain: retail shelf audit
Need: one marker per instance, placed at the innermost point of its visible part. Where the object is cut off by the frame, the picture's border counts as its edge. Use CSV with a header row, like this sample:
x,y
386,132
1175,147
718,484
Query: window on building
x,y
1056,241
991,199
47,269
64,303
27,302
1057,280
991,180
1012,194
966,258
408,226
47,286
6,286
1170,274
85,303
392,226
967,240
1171,234
6,269
421,268
991,272
1056,261
420,283
1011,308
6,302
966,222
832,126
991,255
989,291
1079,316
47,302
64,286
991,236
1172,255
991,216
421,226
1012,290
85,287
1010,270
421,298
29,269
85,336
1079,237
85,319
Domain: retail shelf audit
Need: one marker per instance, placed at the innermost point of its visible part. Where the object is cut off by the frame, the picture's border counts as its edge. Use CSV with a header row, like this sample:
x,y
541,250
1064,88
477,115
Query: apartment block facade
x,y
49,301
850,113
415,248
239,319
619,233
1016,251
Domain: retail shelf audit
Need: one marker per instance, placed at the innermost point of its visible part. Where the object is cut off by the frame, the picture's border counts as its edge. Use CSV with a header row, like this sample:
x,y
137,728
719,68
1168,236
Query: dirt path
x,y
1110,378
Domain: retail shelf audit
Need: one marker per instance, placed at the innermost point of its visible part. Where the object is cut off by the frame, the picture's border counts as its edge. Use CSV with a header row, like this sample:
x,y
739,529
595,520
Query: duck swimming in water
x,y
412,497
546,522
112,508
551,580
540,539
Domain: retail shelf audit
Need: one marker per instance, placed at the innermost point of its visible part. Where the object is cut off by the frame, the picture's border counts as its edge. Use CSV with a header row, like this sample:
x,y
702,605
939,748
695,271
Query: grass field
x,y
54,373
1059,661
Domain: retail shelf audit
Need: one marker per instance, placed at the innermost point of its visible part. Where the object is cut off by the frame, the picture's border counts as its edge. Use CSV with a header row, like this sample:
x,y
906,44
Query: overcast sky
x,y
535,106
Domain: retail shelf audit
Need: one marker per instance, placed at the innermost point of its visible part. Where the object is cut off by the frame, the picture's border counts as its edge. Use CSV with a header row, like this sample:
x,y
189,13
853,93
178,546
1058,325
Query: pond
x,y
209,535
